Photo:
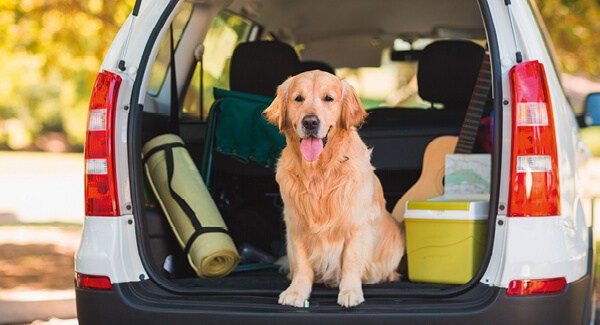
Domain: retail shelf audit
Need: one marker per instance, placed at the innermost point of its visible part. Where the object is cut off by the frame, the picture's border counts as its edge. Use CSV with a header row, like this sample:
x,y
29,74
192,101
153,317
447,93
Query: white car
x,y
419,69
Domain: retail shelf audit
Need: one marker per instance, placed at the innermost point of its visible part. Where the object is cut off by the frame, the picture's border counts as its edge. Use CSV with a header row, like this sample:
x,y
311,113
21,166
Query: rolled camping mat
x,y
190,210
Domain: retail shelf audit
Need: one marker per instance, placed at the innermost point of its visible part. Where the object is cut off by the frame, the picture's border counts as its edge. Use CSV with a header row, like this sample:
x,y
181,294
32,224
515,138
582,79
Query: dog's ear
x,y
353,112
276,113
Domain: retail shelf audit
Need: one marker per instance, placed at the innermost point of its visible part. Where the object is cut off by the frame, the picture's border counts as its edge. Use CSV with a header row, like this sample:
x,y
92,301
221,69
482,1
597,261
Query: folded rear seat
x,y
446,75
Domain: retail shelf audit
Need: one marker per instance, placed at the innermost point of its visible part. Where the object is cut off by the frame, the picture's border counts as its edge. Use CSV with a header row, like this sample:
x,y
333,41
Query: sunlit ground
x,y
41,187
41,215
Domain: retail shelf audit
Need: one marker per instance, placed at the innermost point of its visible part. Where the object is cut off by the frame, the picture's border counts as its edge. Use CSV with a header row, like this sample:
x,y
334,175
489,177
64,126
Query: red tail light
x,y
93,282
534,188
101,197
536,287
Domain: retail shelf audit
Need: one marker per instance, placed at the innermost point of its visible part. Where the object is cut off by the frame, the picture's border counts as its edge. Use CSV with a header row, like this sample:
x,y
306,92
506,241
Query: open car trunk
x,y
247,196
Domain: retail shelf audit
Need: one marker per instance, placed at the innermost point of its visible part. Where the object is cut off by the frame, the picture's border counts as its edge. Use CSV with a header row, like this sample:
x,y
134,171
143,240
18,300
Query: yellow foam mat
x,y
212,252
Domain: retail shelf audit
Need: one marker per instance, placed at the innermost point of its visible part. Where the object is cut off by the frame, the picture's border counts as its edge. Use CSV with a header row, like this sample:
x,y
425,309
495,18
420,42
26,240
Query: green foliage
x,y
49,55
51,51
574,26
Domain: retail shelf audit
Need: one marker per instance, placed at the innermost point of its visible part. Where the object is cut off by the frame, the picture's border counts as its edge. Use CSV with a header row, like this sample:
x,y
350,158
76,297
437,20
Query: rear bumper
x,y
145,303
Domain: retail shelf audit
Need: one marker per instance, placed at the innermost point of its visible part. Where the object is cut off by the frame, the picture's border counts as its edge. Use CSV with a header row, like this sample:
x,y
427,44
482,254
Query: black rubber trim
x,y
174,117
590,306
134,149
145,303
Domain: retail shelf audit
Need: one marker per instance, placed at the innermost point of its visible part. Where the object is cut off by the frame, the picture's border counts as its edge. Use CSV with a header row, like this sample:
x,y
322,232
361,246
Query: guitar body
x,y
430,183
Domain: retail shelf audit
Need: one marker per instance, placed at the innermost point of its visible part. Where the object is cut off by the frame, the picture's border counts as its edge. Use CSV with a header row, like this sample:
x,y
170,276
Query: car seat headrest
x,y
448,71
316,65
259,67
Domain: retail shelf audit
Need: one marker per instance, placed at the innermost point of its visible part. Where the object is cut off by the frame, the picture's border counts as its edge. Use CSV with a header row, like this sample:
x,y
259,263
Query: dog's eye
x,y
299,98
328,98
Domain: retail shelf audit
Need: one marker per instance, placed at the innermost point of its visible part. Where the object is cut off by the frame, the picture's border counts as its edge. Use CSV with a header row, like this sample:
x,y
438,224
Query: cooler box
x,y
445,240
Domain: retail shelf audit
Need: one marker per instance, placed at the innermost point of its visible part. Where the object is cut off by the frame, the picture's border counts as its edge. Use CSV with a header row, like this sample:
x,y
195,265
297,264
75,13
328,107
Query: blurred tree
x,y
573,26
50,54
51,50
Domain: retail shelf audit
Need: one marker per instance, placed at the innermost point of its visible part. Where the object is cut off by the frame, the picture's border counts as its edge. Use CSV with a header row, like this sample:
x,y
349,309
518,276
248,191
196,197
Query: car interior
x,y
427,54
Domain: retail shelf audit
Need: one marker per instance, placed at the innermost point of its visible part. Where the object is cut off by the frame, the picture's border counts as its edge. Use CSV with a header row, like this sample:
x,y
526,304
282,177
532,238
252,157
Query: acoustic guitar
x,y
431,182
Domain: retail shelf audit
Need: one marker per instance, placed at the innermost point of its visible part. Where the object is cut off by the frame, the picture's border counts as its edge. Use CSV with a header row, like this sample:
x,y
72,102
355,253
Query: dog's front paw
x,y
350,297
292,297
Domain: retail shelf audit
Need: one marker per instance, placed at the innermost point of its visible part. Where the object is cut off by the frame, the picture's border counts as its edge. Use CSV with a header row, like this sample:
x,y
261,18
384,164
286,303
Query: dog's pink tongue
x,y
311,148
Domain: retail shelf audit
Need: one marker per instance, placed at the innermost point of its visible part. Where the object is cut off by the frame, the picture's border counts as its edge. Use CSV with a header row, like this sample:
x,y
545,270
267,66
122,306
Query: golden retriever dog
x,y
338,230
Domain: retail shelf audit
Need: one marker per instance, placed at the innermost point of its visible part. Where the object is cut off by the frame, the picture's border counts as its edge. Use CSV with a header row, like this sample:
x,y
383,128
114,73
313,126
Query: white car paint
x,y
537,247
109,247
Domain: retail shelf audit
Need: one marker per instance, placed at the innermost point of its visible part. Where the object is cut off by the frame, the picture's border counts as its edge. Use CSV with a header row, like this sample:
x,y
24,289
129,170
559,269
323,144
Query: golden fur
x,y
338,230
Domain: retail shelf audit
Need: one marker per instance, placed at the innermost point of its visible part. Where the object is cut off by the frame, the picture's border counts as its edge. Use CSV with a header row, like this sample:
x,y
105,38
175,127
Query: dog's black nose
x,y
310,122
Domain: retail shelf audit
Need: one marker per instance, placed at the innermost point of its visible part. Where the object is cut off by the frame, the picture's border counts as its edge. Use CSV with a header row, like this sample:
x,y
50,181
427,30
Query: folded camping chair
x,y
236,126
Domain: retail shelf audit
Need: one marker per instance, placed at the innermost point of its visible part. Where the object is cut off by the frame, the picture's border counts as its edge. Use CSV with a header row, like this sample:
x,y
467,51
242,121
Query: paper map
x,y
467,174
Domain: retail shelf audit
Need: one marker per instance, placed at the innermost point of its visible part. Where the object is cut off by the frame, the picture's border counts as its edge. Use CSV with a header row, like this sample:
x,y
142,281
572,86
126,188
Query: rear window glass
x,y
163,58
226,32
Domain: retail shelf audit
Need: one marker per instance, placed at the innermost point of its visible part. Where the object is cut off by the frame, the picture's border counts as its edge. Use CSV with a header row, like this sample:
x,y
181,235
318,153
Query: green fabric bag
x,y
242,130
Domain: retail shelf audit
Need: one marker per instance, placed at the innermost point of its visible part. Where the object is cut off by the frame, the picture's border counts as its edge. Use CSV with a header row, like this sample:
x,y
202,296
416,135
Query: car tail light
x,y
536,287
101,197
93,282
534,187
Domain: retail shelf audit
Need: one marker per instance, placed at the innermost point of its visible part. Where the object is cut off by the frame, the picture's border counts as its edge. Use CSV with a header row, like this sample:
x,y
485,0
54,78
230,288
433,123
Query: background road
x,y
41,215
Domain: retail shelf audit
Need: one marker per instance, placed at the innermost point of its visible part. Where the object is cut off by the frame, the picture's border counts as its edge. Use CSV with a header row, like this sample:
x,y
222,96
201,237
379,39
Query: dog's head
x,y
310,105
